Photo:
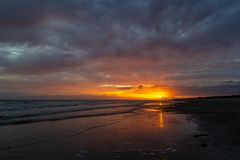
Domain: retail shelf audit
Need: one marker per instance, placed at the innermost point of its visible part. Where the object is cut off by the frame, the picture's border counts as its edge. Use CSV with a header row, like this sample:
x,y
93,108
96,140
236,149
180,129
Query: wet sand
x,y
194,129
218,121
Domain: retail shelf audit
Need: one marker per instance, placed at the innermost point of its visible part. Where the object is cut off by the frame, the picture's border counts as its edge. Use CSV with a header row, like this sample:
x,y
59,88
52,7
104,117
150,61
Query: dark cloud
x,y
170,41
231,82
218,90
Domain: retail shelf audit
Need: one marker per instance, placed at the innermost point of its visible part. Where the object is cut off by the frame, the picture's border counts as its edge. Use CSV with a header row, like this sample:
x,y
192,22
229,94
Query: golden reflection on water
x,y
151,109
160,115
161,119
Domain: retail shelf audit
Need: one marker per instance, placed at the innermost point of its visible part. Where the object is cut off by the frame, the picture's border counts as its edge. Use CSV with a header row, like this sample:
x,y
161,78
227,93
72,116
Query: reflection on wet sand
x,y
161,118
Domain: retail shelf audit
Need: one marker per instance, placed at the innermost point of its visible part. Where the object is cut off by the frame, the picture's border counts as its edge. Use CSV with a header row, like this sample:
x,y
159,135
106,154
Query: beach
x,y
119,80
185,129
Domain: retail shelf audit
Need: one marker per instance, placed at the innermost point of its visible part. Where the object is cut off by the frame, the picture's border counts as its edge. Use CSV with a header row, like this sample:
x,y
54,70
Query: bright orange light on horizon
x,y
148,93
110,91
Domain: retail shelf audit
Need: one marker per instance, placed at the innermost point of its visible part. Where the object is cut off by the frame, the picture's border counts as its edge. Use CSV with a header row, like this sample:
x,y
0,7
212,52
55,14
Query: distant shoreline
x,y
209,97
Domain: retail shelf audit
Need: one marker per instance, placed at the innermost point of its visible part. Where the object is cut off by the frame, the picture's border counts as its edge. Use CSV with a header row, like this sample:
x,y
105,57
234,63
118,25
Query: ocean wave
x,y
37,114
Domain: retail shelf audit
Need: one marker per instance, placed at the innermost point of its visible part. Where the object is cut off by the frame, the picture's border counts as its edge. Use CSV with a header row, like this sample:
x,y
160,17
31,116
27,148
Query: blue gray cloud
x,y
178,43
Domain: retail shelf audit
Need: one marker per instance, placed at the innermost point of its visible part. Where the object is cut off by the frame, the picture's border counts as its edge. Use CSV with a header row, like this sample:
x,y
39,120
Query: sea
x,y
14,112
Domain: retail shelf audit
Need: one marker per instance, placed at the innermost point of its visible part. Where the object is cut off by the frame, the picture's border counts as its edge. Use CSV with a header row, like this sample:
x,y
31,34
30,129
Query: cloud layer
x,y
59,44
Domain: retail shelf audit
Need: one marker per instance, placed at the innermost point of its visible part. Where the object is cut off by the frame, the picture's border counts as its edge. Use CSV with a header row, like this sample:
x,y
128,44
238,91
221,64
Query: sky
x,y
110,49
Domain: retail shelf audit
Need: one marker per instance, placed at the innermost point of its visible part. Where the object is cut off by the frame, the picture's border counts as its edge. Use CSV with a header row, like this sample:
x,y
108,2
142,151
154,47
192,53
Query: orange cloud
x,y
137,92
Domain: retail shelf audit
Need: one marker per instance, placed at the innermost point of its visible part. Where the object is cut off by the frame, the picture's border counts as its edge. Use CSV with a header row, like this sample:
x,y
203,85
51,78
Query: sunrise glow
x,y
143,95
137,92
